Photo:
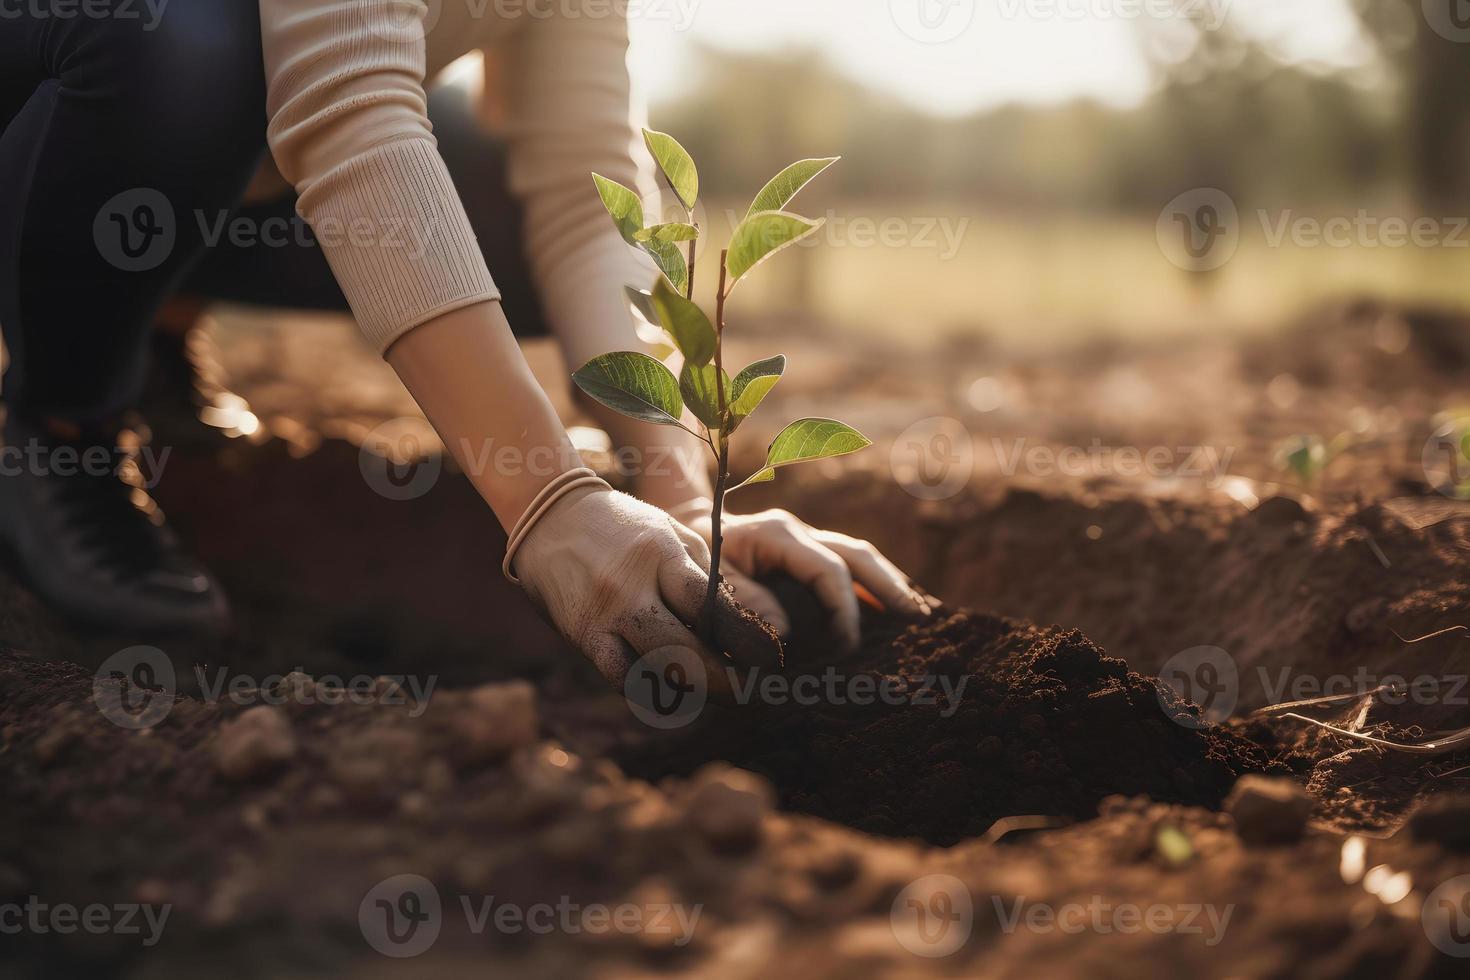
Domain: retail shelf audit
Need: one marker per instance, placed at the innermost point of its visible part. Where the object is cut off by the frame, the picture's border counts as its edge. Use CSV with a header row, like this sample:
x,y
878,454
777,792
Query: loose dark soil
x,y
527,779
1000,718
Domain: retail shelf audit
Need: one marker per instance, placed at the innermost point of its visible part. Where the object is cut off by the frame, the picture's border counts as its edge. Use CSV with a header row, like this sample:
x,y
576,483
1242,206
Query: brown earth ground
x,y
264,835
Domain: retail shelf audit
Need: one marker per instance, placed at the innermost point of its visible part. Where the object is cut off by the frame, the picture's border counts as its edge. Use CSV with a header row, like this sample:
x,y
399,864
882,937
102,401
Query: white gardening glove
x,y
826,562
620,578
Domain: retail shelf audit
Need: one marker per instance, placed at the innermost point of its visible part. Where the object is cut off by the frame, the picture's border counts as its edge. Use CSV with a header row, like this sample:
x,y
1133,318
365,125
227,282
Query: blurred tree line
x,y
1226,113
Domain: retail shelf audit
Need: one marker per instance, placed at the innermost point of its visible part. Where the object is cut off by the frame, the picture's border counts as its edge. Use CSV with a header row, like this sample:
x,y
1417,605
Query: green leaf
x,y
685,322
785,185
623,205
671,232
655,339
676,164
763,235
633,384
1174,845
807,439
670,261
642,303
751,385
697,385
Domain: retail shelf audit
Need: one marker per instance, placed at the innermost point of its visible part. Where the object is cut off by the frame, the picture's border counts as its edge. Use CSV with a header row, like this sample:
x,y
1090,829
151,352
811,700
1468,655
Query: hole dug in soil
x,y
1004,719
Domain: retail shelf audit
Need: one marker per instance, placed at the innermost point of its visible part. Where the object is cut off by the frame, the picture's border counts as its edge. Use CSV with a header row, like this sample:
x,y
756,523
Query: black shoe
x,y
93,546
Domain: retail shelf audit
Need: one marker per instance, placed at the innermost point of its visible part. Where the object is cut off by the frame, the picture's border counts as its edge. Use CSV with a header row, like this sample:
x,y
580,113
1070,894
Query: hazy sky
x,y
953,56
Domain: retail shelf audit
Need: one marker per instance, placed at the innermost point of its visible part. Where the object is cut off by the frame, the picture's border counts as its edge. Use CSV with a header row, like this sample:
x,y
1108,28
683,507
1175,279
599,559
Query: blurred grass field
x,y
1032,281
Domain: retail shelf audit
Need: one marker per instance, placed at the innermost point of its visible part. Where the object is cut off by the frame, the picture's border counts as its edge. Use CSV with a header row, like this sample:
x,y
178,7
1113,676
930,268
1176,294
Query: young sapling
x,y
639,386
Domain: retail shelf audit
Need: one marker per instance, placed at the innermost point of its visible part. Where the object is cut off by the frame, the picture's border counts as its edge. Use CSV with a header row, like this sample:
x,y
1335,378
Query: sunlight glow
x,y
1036,51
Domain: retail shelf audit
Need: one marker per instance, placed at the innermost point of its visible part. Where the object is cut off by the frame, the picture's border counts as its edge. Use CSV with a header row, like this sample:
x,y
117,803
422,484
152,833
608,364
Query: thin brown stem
x,y
689,287
722,474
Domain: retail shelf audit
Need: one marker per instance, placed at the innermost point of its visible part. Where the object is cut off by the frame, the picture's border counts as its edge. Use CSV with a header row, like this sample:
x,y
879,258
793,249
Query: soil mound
x,y
1000,718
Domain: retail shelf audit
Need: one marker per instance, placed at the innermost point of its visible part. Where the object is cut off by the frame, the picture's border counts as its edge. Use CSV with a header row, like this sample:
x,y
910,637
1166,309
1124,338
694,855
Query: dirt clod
x,y
727,806
255,744
984,718
1443,820
1269,810
492,721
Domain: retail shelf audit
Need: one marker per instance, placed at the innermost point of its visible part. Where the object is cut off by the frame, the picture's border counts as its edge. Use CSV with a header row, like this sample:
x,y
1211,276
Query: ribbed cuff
x,y
396,236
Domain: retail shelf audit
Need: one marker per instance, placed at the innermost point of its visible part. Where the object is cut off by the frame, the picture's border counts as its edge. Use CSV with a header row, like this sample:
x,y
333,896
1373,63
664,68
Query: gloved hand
x,y
620,578
826,562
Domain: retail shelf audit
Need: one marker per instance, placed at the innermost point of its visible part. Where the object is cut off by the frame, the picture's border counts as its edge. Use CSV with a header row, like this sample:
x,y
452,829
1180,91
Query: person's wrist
x,y
563,490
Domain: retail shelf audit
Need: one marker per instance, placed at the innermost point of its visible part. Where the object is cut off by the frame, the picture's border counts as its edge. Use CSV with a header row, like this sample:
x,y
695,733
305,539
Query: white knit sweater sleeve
x,y
572,113
349,129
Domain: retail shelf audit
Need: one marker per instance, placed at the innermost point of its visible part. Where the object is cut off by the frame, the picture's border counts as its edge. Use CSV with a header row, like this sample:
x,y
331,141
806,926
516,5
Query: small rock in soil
x,y
727,806
492,721
1281,512
1443,820
254,744
368,765
297,688
1269,810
